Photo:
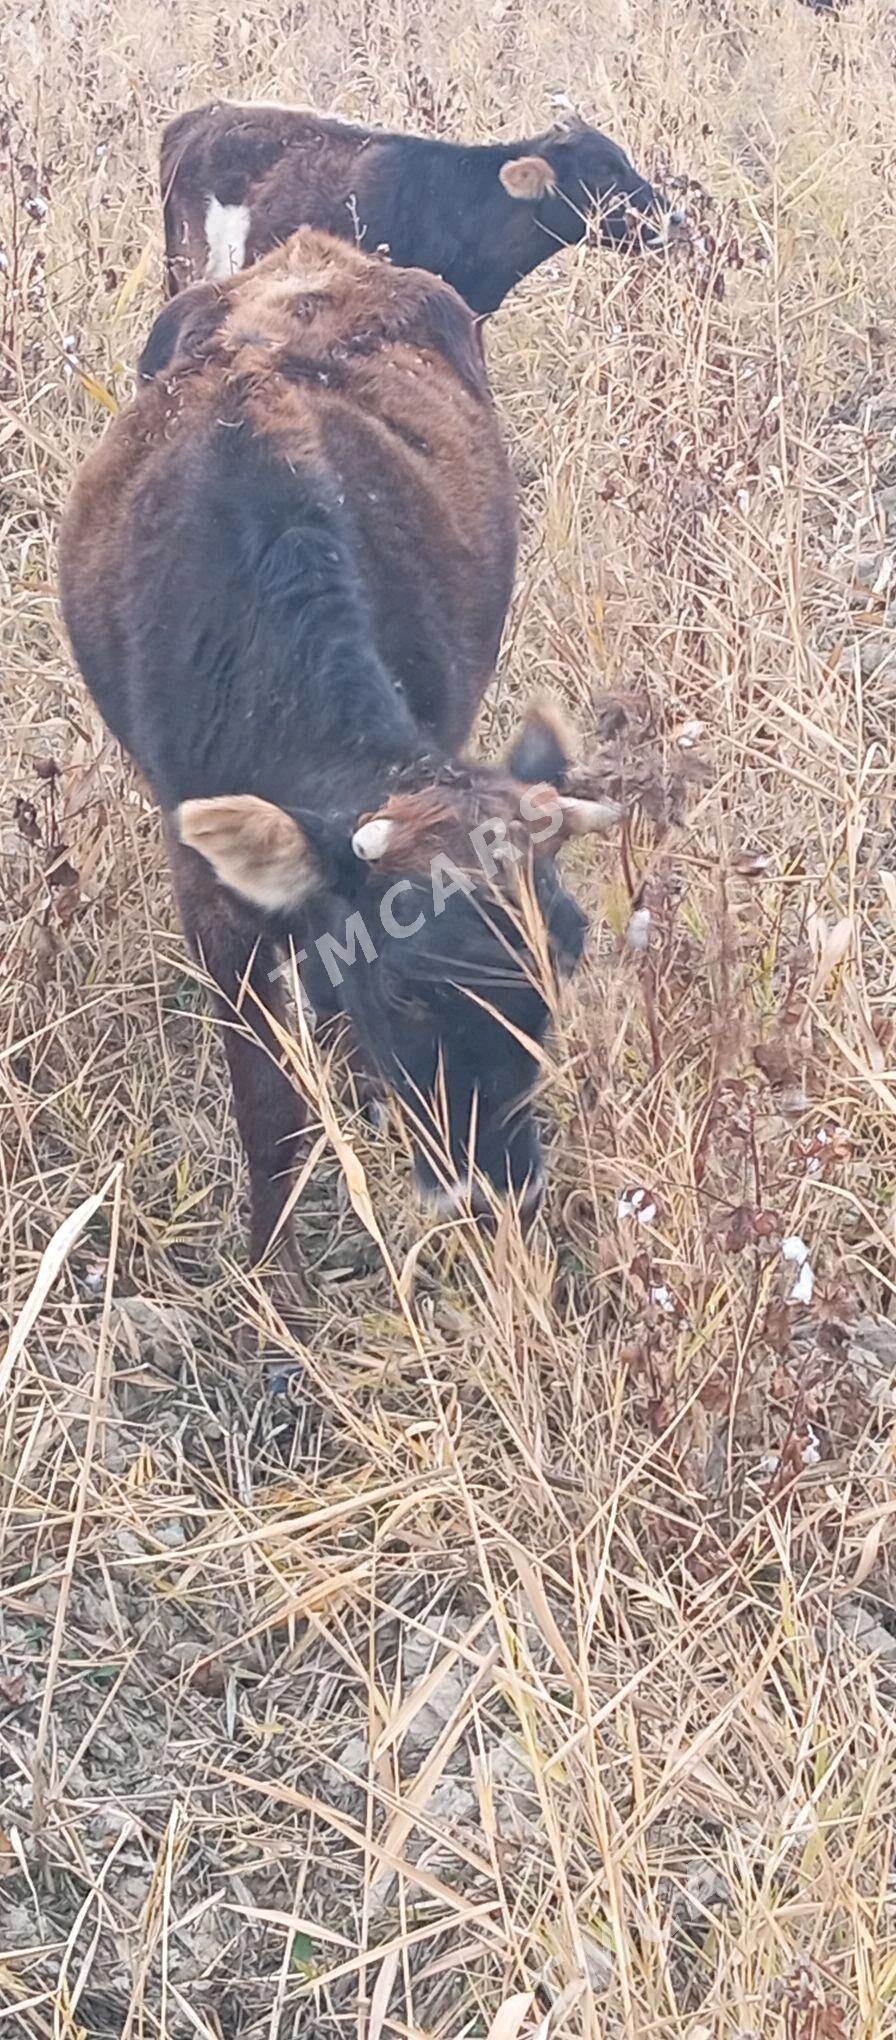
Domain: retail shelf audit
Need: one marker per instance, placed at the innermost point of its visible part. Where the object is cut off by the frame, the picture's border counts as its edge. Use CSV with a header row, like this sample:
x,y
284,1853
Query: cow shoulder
x,y
429,313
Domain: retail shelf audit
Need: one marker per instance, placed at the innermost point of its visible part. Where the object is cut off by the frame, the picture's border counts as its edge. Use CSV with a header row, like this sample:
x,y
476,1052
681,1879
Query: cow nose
x,y
667,229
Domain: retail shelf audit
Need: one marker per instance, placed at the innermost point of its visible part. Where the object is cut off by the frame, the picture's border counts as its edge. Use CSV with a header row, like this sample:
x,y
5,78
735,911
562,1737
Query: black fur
x,y
427,204
182,330
442,207
267,598
257,672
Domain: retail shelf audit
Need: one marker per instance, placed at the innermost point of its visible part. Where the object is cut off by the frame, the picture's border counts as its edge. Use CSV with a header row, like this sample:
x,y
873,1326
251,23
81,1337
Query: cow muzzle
x,y
665,230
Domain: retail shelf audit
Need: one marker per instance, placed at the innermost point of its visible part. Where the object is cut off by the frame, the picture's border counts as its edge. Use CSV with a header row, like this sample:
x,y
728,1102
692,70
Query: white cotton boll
x,y
794,1249
636,1204
663,1298
637,934
372,840
690,734
804,1285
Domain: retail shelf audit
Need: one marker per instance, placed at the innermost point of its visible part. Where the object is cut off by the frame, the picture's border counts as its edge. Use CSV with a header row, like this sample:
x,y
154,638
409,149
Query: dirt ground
x,y
526,1666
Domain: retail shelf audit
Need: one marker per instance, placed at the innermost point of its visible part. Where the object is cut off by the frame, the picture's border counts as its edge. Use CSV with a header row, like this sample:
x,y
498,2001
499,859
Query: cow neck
x,y
360,786
376,749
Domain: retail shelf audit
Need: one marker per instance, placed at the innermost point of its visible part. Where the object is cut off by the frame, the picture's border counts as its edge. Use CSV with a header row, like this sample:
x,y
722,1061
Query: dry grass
x,y
533,1671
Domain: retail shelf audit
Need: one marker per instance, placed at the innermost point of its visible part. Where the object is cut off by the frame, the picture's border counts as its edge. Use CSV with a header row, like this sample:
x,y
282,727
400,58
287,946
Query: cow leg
x,y
242,964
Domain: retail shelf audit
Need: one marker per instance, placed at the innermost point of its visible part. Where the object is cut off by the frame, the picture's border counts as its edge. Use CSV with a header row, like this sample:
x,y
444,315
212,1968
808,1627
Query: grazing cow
x,y
284,573
237,180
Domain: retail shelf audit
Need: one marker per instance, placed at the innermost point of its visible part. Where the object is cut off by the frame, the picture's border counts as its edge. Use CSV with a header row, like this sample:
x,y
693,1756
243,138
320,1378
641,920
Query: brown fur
x,y
482,216
320,304
440,821
322,152
337,367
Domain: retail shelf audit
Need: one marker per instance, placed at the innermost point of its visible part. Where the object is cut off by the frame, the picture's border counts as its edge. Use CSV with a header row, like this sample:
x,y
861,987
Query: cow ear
x,y
253,847
544,748
527,177
182,330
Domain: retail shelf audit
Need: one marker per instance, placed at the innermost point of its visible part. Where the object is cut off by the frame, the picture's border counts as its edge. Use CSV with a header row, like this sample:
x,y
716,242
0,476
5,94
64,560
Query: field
x,y
525,1667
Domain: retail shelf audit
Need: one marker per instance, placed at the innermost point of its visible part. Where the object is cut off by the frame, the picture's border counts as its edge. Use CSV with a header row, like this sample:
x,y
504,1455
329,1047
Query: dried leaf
x,y
60,872
739,1228
25,817
538,1602
775,1060
877,1060
84,779
509,2018
134,281
52,1261
751,863
409,1267
871,1543
382,1991
766,1224
97,391
777,1327
835,946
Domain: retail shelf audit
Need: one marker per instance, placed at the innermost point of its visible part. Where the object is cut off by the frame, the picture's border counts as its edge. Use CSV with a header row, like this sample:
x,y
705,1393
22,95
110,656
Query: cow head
x,y
574,173
439,924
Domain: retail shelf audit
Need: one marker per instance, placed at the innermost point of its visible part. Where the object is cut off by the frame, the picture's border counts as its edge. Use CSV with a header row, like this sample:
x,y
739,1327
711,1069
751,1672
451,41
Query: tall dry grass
x,y
528,1670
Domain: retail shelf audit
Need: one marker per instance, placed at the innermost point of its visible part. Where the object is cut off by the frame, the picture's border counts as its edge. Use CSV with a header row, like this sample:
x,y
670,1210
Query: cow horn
x,y
372,839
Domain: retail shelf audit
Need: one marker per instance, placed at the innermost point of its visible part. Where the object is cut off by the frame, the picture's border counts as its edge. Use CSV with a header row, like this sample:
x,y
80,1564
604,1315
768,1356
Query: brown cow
x,y
238,180
285,572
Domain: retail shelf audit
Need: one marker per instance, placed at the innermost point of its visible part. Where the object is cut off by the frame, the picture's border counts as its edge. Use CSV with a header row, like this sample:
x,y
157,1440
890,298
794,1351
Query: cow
x,y
237,180
284,574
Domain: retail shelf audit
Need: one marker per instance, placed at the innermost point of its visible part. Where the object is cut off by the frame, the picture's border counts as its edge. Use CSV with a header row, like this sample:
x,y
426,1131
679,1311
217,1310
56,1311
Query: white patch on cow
x,y
226,231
